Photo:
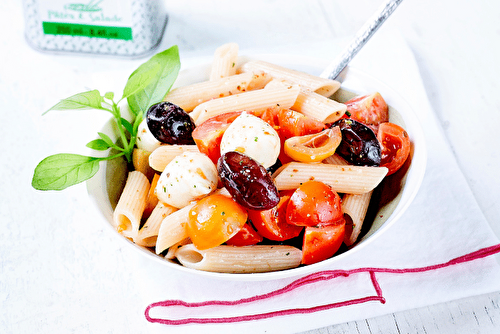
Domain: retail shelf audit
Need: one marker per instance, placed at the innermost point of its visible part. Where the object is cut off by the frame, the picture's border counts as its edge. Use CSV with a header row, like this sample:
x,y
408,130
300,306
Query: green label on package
x,y
71,29
89,18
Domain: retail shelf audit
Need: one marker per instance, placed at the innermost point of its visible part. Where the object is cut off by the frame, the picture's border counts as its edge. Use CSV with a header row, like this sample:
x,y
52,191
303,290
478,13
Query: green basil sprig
x,y
147,85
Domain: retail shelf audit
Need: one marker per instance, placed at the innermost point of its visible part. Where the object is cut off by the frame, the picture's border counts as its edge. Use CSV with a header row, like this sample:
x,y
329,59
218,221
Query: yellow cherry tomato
x,y
315,147
214,220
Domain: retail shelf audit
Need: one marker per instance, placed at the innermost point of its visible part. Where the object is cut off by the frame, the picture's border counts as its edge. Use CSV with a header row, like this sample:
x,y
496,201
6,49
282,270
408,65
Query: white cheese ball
x,y
145,139
188,177
250,135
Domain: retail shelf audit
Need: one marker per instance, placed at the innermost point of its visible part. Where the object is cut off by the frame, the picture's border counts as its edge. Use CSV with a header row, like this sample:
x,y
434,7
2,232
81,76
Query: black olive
x,y
274,167
170,124
359,144
247,181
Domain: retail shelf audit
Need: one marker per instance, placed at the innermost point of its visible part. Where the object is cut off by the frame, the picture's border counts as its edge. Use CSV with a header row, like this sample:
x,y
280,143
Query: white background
x,y
456,45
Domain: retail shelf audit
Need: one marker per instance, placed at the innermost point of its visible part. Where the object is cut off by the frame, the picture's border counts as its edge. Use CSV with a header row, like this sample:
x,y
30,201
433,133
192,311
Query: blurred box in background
x,y
107,27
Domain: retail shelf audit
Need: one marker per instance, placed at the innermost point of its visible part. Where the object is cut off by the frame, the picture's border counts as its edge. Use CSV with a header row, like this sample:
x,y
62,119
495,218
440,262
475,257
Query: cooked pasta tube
x,y
160,157
188,97
343,179
148,233
319,107
256,101
173,249
335,160
244,259
355,208
173,229
322,86
151,199
128,212
224,63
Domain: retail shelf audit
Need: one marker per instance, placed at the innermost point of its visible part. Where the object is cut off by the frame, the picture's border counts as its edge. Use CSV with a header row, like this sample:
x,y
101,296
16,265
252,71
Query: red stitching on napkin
x,y
309,279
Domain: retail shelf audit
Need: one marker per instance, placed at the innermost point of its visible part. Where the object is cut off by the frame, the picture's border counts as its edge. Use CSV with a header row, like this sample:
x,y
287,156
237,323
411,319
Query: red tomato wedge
x,y
271,224
371,110
208,134
395,146
314,204
321,243
245,237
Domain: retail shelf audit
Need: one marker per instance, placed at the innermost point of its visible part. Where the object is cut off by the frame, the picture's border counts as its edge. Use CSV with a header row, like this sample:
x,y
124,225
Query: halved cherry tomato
x,y
245,237
271,224
208,134
395,146
371,110
214,220
293,123
314,204
321,243
289,123
315,147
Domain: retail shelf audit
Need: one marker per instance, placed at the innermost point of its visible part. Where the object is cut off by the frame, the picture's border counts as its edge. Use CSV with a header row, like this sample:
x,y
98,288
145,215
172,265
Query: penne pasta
x,y
173,249
151,199
322,86
244,259
343,179
335,160
256,101
160,157
319,107
128,212
148,233
188,97
355,208
173,229
224,63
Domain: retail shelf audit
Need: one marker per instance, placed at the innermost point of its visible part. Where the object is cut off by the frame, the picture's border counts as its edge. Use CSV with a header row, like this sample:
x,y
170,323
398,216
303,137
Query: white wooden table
x,y
457,47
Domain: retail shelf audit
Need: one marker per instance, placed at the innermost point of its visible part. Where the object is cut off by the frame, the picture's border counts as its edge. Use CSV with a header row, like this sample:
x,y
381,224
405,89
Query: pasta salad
x,y
256,169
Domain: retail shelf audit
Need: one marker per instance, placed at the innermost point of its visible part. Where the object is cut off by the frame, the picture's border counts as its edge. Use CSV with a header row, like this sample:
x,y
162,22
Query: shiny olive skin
x,y
247,181
359,144
170,124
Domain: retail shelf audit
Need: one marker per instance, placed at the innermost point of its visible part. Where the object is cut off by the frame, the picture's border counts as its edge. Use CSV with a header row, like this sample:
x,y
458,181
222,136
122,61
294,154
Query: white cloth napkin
x,y
443,222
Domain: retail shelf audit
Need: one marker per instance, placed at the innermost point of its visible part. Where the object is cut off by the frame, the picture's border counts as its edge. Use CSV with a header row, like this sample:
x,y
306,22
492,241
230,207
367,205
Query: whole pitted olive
x,y
359,143
247,181
170,124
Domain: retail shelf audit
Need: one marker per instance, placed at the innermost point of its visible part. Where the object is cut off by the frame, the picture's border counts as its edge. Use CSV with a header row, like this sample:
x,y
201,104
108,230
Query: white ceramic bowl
x,y
399,189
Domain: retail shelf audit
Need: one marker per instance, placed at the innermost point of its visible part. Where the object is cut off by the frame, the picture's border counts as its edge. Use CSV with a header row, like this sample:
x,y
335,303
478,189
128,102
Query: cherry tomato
x,y
395,145
214,220
315,147
371,110
208,134
271,224
293,123
245,237
314,204
289,123
321,243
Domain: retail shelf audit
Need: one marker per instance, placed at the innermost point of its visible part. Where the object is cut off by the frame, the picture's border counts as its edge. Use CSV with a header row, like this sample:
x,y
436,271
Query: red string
x,y
309,279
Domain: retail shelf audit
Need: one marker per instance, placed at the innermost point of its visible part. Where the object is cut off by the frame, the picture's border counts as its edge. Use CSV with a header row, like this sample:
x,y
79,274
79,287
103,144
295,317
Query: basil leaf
x,y
59,171
85,100
106,138
161,70
98,145
109,95
126,124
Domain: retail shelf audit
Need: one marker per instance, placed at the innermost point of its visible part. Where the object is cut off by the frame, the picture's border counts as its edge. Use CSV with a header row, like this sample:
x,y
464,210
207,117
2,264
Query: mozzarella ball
x,y
253,137
188,177
145,139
